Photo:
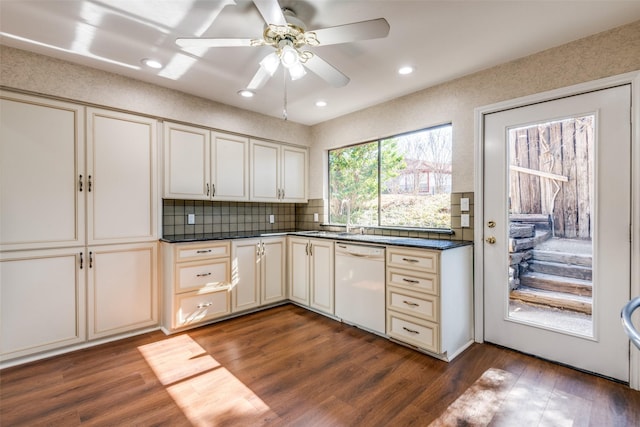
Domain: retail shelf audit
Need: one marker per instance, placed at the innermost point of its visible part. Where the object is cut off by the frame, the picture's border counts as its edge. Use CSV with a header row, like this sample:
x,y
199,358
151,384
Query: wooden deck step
x,y
561,300
550,282
561,269
563,257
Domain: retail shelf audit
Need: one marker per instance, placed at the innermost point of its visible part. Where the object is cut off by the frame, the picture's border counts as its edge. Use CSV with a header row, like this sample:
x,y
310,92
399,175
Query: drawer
x,y
197,307
419,333
418,260
414,304
196,251
192,276
414,280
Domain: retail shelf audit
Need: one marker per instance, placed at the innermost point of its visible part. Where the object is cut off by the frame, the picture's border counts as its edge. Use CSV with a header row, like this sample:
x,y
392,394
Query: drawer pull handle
x,y
411,331
203,251
205,305
410,260
410,280
412,304
203,274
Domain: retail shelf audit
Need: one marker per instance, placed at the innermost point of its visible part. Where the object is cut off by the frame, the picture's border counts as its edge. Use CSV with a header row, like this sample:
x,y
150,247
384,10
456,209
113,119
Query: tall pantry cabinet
x,y
78,239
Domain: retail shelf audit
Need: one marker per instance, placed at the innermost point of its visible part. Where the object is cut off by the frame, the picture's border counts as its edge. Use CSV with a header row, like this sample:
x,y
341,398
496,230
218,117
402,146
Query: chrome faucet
x,y
346,203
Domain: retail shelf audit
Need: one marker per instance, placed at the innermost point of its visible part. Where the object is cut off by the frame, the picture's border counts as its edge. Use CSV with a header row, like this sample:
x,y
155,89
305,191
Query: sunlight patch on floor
x,y
206,391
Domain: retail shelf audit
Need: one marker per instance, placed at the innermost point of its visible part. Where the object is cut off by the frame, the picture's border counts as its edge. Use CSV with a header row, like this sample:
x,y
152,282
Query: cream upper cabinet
x,y
42,297
122,288
42,176
229,167
294,174
186,162
278,172
204,165
121,177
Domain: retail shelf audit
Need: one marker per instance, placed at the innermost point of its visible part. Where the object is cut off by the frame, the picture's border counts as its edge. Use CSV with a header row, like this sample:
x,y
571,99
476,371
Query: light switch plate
x,y
272,219
464,220
191,219
315,217
464,204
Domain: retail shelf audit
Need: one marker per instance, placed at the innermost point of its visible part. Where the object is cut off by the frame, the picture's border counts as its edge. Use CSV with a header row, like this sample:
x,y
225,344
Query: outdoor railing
x,y
629,328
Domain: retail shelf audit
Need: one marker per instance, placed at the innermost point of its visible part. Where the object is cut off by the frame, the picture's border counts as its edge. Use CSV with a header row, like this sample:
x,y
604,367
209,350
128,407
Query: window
x,y
403,181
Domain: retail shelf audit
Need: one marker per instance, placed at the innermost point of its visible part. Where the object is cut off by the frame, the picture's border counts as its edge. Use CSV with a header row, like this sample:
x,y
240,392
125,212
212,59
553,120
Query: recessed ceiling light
x,y
151,63
246,93
321,103
405,70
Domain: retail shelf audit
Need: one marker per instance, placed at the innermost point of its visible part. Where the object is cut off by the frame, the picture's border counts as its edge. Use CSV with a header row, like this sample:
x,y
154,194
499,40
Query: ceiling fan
x,y
289,36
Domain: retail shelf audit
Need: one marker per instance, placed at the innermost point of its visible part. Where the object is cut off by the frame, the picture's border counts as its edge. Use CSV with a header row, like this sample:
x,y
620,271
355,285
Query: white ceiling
x,y
443,40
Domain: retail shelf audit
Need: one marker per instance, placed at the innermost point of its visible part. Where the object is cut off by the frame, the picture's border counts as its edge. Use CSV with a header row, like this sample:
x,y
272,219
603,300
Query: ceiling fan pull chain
x,y
284,110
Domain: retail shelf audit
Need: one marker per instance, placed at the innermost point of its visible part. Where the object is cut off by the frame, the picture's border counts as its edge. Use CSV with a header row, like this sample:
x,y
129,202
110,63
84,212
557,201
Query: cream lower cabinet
x,y
196,283
429,299
122,288
42,301
258,272
311,268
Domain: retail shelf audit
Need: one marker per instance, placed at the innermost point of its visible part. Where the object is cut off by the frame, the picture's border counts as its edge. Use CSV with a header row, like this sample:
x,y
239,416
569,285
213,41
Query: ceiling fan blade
x,y
326,71
208,42
270,11
364,30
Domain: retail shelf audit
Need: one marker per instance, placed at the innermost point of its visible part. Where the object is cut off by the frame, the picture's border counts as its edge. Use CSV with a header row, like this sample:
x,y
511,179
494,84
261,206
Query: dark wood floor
x,y
283,366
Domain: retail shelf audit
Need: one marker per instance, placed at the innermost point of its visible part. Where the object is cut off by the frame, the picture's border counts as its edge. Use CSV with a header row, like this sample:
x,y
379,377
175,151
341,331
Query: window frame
x,y
379,143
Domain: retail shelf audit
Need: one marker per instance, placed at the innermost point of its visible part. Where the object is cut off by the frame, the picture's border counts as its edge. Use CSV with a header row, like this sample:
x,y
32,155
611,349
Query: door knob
x,y
491,240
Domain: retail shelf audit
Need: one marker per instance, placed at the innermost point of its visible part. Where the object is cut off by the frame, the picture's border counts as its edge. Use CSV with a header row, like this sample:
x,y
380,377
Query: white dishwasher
x,y
359,286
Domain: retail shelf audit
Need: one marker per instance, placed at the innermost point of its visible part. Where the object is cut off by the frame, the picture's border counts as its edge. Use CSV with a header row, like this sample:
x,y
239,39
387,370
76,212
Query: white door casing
x,y
606,200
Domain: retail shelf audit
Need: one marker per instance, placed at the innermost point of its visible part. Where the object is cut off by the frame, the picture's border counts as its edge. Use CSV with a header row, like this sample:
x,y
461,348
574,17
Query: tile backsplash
x,y
230,217
226,217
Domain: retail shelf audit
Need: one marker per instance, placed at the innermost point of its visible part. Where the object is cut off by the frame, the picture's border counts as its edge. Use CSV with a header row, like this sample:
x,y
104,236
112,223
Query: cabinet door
x,y
229,167
321,275
41,301
121,173
273,270
299,270
186,162
122,291
294,174
265,176
41,173
245,256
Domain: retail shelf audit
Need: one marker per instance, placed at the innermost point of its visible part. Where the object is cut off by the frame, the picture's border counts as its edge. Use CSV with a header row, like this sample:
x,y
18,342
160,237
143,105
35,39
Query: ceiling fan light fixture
x,y
296,71
289,56
270,63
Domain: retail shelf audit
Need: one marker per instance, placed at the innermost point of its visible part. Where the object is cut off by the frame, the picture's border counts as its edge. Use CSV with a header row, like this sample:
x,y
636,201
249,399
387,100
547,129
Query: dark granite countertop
x,y
412,242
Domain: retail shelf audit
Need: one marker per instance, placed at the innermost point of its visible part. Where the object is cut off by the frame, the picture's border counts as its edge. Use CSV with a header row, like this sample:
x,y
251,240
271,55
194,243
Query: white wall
x,y
609,53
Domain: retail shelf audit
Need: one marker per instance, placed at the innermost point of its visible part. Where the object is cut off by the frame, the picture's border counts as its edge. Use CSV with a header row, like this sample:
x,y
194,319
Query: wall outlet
x,y
272,219
464,220
191,219
315,217
464,204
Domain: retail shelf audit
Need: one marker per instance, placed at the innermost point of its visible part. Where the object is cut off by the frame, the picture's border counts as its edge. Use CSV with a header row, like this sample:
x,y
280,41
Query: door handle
x,y
491,240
